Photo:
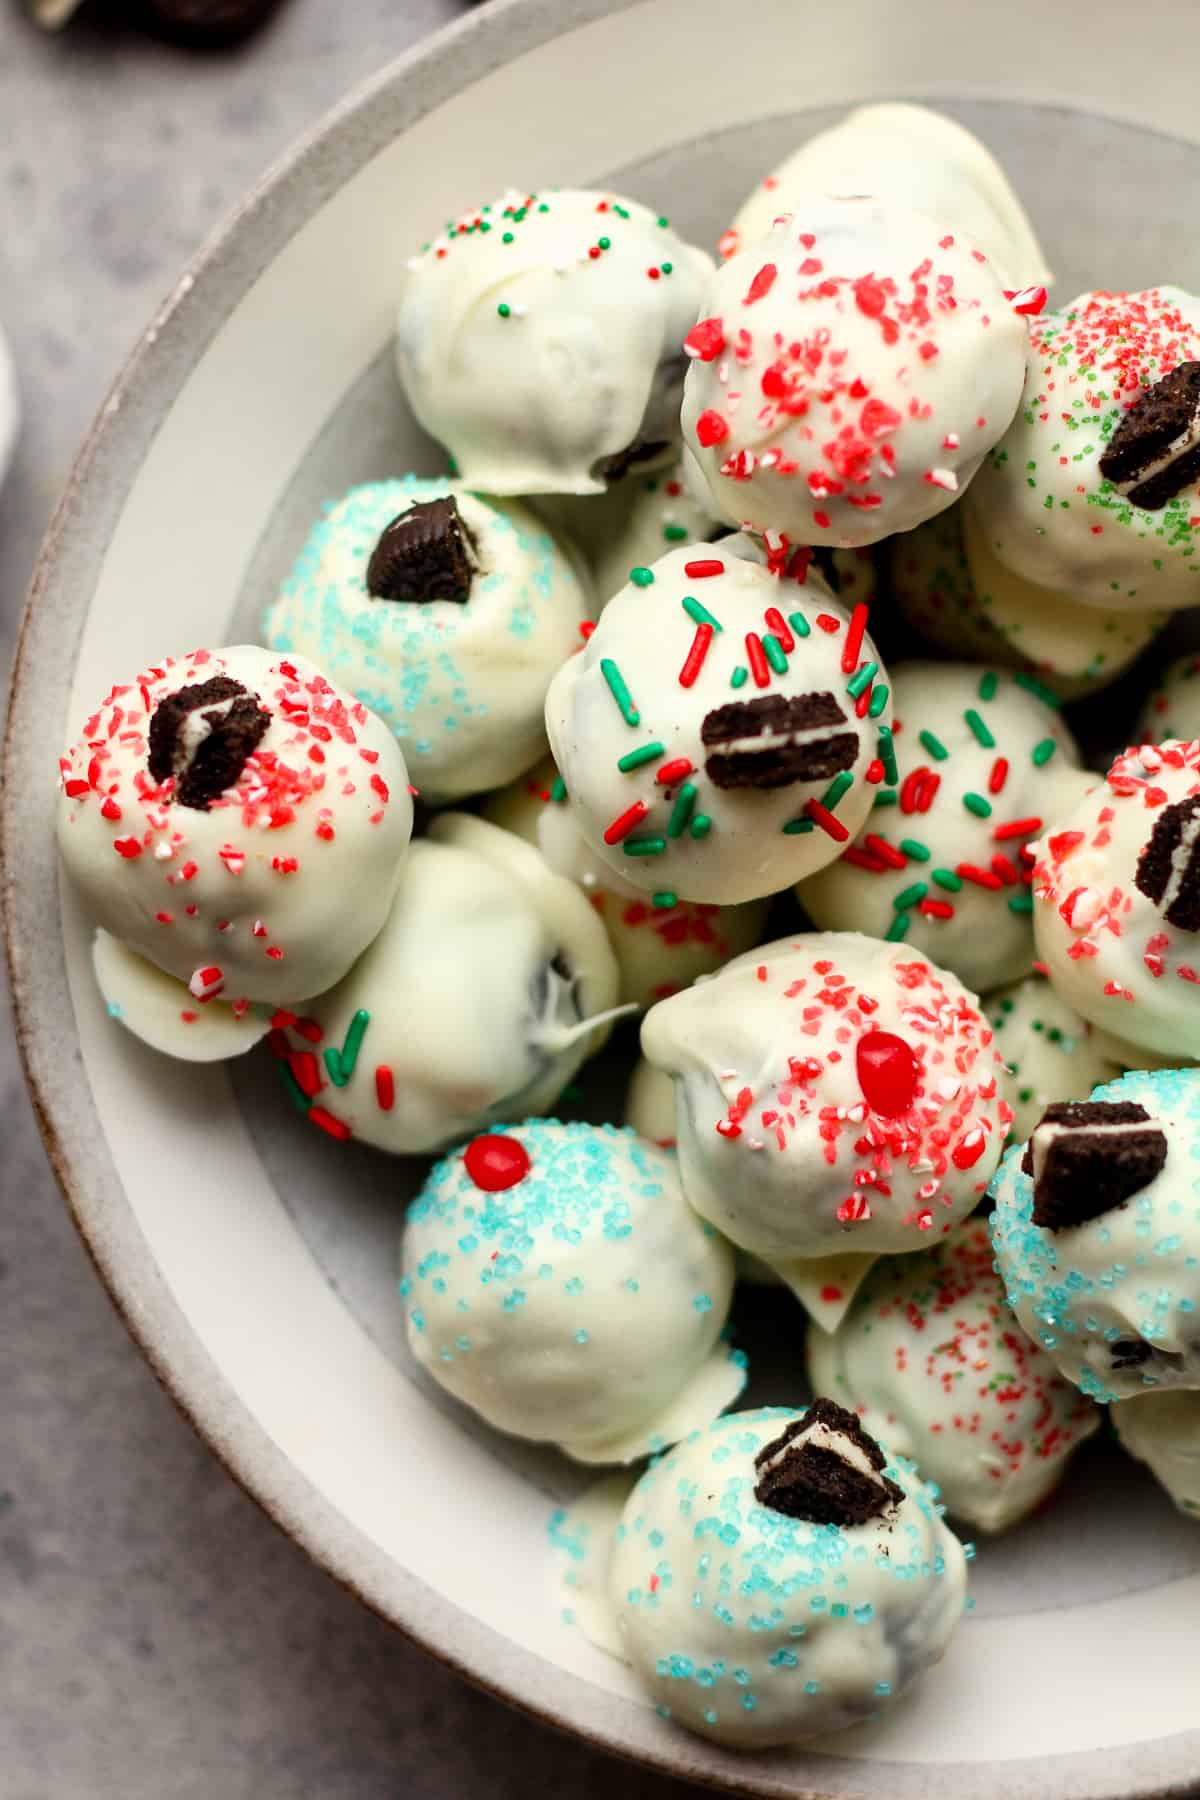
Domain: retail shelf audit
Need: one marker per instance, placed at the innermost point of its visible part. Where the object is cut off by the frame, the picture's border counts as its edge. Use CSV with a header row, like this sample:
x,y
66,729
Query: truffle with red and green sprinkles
x,y
539,339
979,763
1094,491
722,732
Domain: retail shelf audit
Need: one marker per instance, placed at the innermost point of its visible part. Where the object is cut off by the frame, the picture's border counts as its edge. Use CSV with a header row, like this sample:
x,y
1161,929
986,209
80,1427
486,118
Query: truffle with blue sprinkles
x,y
1097,1235
556,1282
446,614
775,1578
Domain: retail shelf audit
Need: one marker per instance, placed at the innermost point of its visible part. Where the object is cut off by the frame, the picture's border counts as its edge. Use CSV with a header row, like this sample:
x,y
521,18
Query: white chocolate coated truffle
x,y
910,157
1051,502
160,1011
1099,1247
849,374
659,949
756,1628
981,764
461,682
1163,1431
538,339
1117,900
1049,1052
473,1003
764,702
934,1363
555,1281
1172,710
252,874
833,1094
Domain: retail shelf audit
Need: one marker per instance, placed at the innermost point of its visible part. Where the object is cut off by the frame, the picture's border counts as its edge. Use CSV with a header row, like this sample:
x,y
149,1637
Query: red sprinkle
x,y
385,1088
776,623
674,771
758,660
887,853
762,284
998,776
703,567
854,638
621,827
705,340
823,818
888,1072
325,1121
711,429
694,661
495,1162
1017,828
828,623
128,847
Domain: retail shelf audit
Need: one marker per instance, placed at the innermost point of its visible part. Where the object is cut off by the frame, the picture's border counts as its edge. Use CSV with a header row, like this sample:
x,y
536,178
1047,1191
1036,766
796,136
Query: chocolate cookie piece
x,y
1155,451
825,1468
1088,1156
1168,870
207,767
775,741
426,553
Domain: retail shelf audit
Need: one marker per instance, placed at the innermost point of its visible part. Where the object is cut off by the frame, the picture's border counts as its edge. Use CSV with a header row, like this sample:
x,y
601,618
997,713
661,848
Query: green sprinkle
x,y
664,222
604,243
980,730
910,896
691,606
836,790
1042,752
333,1062
644,846
1021,903
676,534
509,237
558,791
619,691
633,759
681,812
975,803
988,683
862,678
740,676
701,825
504,309
887,755
885,797
797,827
898,929
799,624
664,899
1032,685
773,651
622,212
946,878
641,577
934,745
666,267
879,700
295,1092
355,1032
915,850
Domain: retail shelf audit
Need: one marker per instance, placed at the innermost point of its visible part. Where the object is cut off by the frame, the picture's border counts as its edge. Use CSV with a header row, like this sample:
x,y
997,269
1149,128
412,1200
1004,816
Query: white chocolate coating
x,y
1172,709
1163,1431
730,843
850,372
10,408
789,1140
912,157
582,1305
539,336
1108,947
274,890
753,1628
932,1360
1115,1301
650,1104
161,1011
659,949
964,877
1049,1052
462,685
1042,503
465,1008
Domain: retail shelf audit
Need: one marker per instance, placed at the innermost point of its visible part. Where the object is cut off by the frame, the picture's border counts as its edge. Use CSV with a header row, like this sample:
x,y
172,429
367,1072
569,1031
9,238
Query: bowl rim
x,y
341,141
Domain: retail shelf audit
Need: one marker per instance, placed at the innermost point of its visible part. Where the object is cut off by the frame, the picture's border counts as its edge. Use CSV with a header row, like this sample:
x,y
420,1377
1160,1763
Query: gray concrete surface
x,y
159,1639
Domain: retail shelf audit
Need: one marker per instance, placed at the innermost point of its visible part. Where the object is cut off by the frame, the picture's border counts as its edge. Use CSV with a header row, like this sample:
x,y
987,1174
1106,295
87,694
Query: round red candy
x,y
888,1073
495,1162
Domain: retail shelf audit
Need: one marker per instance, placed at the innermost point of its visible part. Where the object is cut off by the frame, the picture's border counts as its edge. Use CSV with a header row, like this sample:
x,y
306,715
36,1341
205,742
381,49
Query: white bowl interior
x,y
256,1259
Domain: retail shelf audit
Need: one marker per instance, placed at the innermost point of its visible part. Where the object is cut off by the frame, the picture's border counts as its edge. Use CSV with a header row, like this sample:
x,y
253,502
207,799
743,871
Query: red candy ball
x,y
495,1162
888,1072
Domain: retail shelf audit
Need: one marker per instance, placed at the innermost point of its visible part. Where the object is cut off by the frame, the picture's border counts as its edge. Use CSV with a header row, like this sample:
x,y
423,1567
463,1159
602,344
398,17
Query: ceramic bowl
x,y
256,1266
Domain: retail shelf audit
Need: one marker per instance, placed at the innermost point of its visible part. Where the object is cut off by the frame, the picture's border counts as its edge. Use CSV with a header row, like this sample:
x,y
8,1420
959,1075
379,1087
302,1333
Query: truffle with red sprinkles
x,y
538,339
979,763
555,1282
1094,490
489,984
237,821
719,734
849,374
933,1361
833,1094
1116,891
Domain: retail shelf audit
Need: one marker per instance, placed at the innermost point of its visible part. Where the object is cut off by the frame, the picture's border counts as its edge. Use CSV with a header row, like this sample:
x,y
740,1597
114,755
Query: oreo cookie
x,y
1168,870
825,1469
1155,451
775,741
205,759
1088,1156
426,553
